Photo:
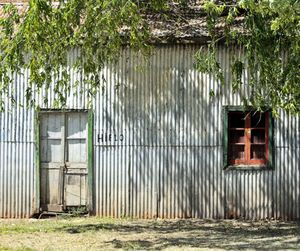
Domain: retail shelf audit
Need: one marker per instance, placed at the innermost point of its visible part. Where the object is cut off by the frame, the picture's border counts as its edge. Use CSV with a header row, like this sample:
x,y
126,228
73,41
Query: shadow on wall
x,y
173,135
173,140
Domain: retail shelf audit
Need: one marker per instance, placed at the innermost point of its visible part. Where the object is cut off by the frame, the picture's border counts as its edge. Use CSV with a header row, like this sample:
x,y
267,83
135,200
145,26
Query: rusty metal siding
x,y
157,145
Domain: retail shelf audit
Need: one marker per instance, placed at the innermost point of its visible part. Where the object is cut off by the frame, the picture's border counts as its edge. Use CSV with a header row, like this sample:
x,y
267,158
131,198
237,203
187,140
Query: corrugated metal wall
x,y
169,163
17,179
158,146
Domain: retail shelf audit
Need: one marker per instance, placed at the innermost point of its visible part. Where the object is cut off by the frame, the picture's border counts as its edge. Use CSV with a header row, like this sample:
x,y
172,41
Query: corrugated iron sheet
x,y
17,180
157,145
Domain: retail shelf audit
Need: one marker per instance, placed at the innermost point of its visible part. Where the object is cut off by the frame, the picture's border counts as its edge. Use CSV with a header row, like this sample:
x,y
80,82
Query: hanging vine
x,y
270,34
41,37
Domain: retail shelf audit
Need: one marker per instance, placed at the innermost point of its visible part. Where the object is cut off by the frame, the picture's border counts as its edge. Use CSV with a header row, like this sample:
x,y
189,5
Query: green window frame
x,y
228,163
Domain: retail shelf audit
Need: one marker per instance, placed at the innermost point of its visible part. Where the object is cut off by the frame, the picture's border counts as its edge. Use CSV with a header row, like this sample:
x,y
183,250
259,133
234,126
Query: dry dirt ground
x,y
92,233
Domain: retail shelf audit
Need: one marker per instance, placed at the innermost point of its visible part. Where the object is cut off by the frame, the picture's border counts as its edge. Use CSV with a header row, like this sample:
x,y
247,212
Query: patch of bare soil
x,y
109,234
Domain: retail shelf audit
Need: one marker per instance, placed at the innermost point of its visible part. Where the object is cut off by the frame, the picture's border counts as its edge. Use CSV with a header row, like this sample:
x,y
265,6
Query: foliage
x,y
270,34
41,38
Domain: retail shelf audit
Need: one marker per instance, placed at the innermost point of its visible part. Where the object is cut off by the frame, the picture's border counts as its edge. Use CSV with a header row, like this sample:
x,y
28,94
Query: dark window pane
x,y
257,119
236,152
258,136
257,152
237,120
236,136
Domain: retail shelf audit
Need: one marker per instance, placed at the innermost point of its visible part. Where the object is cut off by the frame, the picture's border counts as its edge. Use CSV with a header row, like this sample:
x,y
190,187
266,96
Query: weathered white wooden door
x,y
63,158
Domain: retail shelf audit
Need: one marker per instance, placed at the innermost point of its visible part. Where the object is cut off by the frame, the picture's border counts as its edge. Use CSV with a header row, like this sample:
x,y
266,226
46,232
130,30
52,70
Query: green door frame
x,y
90,155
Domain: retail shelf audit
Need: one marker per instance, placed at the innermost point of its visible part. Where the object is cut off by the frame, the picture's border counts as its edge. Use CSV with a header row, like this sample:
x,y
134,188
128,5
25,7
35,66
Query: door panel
x,y
52,161
51,187
63,160
76,150
76,160
52,151
76,187
51,125
77,125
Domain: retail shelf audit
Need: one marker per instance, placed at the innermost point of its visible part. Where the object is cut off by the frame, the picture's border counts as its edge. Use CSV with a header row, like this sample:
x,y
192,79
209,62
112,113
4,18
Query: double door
x,y
63,160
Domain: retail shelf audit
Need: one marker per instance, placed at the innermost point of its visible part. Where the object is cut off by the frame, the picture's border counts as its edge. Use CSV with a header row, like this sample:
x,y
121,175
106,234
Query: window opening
x,y
248,138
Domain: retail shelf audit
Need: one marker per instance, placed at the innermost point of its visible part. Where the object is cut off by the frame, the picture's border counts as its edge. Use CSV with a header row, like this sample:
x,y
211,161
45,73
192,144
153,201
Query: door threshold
x,y
49,214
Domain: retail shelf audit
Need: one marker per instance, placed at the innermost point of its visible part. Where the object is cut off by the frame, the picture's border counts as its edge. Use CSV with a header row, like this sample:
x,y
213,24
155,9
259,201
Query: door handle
x,y
65,167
